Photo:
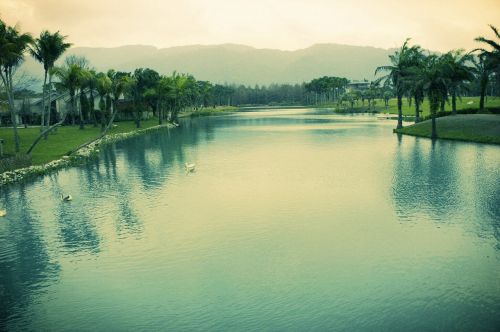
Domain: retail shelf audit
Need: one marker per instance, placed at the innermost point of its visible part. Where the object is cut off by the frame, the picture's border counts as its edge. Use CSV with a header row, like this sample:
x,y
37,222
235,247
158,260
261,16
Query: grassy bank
x,y
69,137
481,128
208,111
64,140
464,103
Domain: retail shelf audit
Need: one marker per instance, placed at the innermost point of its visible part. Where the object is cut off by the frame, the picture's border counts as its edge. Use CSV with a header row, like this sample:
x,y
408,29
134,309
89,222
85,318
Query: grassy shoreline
x,y
478,128
80,156
52,155
462,104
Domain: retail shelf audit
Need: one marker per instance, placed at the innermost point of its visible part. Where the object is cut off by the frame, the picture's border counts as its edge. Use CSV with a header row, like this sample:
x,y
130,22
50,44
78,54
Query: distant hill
x,y
231,63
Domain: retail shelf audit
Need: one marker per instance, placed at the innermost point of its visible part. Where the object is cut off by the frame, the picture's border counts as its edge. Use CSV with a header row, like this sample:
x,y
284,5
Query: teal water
x,y
294,220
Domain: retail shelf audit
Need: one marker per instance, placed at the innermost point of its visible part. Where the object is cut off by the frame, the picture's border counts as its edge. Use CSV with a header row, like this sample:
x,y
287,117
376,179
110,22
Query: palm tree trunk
x,y
102,108
159,107
44,93
50,103
417,110
482,96
400,112
434,105
453,103
80,112
13,113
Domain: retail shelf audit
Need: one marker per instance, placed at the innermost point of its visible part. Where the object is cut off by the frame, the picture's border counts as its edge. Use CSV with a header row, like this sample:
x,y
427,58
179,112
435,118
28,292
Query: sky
x,y
280,24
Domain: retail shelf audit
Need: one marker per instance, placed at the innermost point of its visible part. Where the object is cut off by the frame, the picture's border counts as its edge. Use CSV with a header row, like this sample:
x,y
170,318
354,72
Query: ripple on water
x,y
292,221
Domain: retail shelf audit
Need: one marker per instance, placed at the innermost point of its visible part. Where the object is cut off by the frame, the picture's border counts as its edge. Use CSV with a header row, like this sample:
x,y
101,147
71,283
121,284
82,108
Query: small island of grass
x,y
481,128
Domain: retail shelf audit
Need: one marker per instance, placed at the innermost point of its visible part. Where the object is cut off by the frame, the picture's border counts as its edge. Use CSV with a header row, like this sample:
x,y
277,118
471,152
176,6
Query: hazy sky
x,y
284,24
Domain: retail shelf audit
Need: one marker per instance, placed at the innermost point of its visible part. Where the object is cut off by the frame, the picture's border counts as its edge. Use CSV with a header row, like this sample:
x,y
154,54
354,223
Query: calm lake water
x,y
293,220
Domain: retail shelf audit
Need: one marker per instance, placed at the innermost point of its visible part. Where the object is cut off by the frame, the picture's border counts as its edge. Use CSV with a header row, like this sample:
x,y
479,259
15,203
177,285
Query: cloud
x,y
286,24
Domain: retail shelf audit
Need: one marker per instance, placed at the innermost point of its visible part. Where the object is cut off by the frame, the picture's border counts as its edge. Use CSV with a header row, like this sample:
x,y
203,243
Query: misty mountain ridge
x,y
234,63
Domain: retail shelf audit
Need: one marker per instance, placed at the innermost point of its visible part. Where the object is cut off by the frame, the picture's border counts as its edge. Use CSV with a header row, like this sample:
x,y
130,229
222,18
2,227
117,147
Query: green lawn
x,y
407,110
483,128
64,140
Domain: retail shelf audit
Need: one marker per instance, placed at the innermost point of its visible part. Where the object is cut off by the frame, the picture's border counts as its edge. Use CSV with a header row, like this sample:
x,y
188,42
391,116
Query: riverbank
x,y
52,154
64,140
118,133
480,128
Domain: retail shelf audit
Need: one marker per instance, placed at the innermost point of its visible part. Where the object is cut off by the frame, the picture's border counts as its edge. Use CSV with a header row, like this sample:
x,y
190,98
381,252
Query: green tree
x,y
13,45
433,79
144,81
120,83
46,49
103,89
401,61
489,62
458,73
70,77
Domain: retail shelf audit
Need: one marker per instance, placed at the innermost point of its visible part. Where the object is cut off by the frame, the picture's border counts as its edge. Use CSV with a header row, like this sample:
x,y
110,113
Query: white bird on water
x,y
3,213
190,167
66,198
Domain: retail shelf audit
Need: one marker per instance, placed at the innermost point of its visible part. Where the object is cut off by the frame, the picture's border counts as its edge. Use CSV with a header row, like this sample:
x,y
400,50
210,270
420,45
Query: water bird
x,y
66,198
190,166
3,213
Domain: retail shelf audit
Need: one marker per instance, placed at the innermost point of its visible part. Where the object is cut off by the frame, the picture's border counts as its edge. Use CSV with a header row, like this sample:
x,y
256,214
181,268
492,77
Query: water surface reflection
x,y
294,219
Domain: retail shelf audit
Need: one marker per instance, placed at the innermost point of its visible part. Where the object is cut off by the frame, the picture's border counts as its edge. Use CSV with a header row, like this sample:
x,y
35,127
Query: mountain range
x,y
233,63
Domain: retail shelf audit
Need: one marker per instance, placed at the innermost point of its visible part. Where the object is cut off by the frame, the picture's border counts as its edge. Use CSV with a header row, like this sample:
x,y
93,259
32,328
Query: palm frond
x,y
494,30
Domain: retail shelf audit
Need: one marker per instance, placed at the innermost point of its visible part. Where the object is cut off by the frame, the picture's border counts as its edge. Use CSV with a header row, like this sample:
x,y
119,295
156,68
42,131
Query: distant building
x,y
358,86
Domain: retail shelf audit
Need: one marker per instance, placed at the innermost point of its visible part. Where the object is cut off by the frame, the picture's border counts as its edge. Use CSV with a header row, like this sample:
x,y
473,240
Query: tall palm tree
x,y
70,77
91,84
457,73
413,86
13,45
110,87
482,71
103,89
398,71
433,79
46,49
489,61
120,82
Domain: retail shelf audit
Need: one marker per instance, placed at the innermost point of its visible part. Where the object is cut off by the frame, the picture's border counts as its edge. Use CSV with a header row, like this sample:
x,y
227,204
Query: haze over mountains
x,y
232,63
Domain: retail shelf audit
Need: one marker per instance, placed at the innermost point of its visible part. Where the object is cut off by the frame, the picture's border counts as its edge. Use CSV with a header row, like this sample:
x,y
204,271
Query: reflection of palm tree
x,y
427,180
77,231
26,263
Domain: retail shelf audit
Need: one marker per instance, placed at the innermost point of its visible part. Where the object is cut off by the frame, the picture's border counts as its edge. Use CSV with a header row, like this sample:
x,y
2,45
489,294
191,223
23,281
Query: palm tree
x,y
70,77
13,44
433,79
482,70
414,88
47,49
103,89
489,61
164,91
457,73
91,84
401,61
120,82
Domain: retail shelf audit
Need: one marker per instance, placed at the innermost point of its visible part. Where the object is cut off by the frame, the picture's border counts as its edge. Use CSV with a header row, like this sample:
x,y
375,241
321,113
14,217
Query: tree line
x,y
413,73
418,74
